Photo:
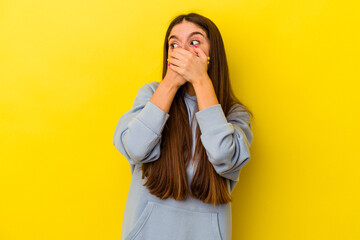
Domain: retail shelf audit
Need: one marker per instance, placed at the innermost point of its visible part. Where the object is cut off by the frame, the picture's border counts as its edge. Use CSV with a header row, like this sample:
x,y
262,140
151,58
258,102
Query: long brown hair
x,y
166,176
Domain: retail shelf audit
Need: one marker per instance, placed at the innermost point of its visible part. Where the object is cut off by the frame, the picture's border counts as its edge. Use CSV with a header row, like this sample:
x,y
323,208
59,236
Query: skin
x,y
188,65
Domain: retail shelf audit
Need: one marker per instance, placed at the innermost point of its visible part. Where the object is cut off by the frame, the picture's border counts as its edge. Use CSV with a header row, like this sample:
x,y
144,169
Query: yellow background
x,y
70,69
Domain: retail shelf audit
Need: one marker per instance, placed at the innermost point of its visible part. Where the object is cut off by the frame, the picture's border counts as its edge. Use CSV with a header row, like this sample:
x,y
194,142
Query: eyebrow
x,y
191,34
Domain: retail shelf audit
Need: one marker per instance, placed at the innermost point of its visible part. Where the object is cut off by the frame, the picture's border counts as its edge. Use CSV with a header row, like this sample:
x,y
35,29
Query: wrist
x,y
169,85
203,81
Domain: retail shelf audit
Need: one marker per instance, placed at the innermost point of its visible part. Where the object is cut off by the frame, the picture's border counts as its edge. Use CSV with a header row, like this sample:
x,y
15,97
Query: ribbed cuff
x,y
210,118
153,117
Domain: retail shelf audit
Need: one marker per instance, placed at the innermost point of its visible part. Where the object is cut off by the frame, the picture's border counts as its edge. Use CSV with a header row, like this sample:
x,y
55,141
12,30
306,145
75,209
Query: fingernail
x,y
169,64
195,46
204,52
172,50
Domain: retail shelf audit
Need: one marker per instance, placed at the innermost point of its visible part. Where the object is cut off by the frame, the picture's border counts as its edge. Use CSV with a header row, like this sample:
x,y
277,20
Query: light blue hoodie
x,y
138,136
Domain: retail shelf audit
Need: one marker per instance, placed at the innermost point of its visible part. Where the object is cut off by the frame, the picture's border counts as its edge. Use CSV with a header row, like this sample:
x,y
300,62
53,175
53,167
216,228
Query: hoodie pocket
x,y
163,222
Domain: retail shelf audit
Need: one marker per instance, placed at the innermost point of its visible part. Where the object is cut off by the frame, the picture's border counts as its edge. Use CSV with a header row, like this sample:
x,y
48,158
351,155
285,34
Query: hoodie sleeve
x,y
138,132
226,139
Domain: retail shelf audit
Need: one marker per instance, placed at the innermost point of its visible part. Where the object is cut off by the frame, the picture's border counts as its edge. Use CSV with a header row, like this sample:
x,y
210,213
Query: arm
x,y
226,139
164,95
138,132
205,93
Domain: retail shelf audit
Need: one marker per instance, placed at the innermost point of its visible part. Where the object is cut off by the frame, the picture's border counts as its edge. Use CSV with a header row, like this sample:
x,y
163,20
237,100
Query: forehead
x,y
183,29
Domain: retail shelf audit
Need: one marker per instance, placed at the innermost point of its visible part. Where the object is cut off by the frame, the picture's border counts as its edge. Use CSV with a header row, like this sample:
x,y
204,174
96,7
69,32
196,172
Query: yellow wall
x,y
70,69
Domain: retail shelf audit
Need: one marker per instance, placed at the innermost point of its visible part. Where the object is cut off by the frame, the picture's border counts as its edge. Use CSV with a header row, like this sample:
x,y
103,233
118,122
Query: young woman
x,y
186,139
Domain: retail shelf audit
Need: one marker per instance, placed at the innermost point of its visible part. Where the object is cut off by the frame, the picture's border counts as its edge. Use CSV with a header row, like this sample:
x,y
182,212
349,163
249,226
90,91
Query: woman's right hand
x,y
173,78
167,89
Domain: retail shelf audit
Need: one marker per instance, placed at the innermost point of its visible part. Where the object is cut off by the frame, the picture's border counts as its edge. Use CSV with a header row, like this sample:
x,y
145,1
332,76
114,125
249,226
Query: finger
x,y
200,53
175,68
174,61
175,55
180,52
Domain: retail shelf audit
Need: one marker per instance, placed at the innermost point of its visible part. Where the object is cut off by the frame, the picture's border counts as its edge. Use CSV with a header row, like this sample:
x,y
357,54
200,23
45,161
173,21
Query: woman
x,y
185,153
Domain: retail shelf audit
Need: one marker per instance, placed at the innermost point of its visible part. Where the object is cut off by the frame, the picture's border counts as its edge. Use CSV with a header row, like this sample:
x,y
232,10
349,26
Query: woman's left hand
x,y
193,67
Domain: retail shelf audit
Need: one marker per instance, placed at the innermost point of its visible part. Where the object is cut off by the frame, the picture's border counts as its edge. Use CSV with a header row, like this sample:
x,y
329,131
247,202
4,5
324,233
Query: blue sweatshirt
x,y
138,136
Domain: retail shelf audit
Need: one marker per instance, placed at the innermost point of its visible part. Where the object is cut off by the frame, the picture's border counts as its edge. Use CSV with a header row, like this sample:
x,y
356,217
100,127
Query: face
x,y
186,35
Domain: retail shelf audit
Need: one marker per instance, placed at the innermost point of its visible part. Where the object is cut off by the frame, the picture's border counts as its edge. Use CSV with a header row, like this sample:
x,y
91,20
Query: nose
x,y
188,48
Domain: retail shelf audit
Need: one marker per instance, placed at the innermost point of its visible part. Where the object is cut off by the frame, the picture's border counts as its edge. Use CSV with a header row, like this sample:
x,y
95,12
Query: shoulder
x,y
148,88
145,93
153,85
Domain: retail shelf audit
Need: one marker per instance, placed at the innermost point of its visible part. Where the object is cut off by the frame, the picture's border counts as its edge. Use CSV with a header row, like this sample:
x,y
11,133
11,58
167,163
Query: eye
x,y
175,45
195,41
172,45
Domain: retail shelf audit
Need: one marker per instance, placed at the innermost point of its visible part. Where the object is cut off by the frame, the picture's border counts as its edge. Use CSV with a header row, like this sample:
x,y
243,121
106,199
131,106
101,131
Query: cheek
x,y
207,47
